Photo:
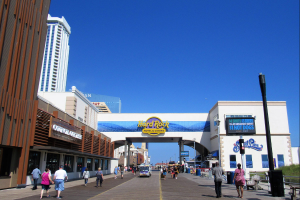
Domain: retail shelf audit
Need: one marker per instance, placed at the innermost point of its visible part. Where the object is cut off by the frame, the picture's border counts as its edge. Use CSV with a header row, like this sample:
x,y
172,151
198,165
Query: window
x,y
101,164
33,161
249,163
68,164
280,159
52,162
89,164
106,165
232,161
96,164
79,164
265,161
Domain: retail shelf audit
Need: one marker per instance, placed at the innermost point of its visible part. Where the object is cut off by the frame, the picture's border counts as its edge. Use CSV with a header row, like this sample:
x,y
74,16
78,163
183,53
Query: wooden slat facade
x,y
93,142
23,28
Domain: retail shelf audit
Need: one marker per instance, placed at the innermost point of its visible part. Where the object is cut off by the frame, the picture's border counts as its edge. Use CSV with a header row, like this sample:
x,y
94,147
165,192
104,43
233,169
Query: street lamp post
x,y
219,153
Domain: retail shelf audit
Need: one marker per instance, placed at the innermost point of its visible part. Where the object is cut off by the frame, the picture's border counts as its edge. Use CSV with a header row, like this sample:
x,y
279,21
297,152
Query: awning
x,y
62,150
215,153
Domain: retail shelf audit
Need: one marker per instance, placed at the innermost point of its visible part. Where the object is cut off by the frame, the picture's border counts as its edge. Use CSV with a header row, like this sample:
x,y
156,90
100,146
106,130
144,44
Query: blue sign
x,y
251,144
184,154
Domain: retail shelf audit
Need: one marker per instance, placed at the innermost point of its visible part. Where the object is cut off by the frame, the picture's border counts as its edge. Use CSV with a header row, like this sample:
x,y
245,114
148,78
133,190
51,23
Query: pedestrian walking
x,y
164,173
172,172
134,169
99,175
116,172
176,172
85,176
59,177
239,180
46,179
218,172
122,171
35,177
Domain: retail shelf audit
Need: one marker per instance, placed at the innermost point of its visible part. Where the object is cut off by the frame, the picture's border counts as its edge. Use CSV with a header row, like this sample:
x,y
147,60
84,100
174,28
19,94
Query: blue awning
x,y
215,153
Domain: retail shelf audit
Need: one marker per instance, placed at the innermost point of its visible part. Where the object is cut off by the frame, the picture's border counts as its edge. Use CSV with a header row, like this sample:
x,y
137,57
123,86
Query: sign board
x,y
63,131
184,154
153,126
240,126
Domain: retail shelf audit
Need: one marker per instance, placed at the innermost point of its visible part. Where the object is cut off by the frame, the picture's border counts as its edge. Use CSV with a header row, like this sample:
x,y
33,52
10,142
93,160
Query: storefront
x,y
62,140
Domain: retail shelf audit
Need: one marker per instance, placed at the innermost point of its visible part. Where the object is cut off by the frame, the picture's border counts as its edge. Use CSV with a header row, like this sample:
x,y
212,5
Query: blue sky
x,y
184,56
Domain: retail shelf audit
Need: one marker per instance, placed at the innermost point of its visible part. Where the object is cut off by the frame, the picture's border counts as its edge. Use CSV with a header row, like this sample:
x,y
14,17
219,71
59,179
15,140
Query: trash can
x,y
198,172
230,176
189,170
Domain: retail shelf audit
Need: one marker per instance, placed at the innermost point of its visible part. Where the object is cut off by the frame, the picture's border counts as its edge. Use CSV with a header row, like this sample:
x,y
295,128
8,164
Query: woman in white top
x,y
86,175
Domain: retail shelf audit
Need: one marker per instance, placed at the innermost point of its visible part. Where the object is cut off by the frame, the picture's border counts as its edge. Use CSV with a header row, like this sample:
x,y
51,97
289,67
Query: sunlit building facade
x,y
56,56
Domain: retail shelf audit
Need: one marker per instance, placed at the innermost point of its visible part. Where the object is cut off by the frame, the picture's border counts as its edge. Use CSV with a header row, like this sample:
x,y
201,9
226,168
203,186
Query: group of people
x,y
60,176
99,177
121,169
239,179
174,172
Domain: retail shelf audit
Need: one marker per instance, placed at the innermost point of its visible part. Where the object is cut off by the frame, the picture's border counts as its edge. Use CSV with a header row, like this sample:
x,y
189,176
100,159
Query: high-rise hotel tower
x,y
56,56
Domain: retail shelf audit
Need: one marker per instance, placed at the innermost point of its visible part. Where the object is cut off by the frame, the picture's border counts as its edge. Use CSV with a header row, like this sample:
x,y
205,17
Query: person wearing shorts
x,y
164,173
173,172
59,177
46,179
176,172
122,171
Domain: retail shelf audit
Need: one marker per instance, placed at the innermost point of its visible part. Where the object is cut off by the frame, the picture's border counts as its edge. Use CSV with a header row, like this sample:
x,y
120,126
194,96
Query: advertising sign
x,y
184,154
64,131
240,126
153,126
251,144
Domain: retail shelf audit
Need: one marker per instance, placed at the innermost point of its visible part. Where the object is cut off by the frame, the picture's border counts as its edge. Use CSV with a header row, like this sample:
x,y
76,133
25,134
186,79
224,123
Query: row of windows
x,y
45,59
264,159
47,83
52,163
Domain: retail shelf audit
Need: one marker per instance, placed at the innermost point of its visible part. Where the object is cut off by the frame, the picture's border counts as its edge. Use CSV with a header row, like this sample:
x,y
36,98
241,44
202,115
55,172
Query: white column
x,y
181,148
128,159
125,153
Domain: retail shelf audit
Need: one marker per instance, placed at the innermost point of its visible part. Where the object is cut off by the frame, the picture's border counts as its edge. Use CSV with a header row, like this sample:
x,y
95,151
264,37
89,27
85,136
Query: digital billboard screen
x,y
240,126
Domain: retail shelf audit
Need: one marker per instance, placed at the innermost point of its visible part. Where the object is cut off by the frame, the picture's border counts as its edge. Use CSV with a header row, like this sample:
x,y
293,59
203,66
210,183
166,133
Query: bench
x,y
293,191
253,182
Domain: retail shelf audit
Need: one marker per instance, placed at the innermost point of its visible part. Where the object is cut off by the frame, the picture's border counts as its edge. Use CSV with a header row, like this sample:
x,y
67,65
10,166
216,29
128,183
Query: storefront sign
x,y
184,154
240,126
63,131
251,144
153,126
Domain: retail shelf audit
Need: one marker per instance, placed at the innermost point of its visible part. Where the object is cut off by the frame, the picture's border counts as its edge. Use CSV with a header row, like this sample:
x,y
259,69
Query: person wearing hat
x,y
59,177
239,180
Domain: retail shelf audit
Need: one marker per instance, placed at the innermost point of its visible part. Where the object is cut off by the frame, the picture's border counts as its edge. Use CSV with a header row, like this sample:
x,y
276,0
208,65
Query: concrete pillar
x,y
125,152
181,148
128,158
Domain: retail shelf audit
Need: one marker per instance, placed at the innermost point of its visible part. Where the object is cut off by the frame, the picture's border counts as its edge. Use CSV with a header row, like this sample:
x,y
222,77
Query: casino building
x,y
215,134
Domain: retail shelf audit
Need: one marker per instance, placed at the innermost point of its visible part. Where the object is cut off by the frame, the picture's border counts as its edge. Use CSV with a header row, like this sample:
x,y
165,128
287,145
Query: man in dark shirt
x,y
122,171
218,172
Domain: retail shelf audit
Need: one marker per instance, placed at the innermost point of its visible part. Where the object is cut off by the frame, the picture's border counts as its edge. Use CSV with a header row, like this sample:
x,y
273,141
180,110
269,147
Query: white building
x,y
56,56
209,138
296,155
75,104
